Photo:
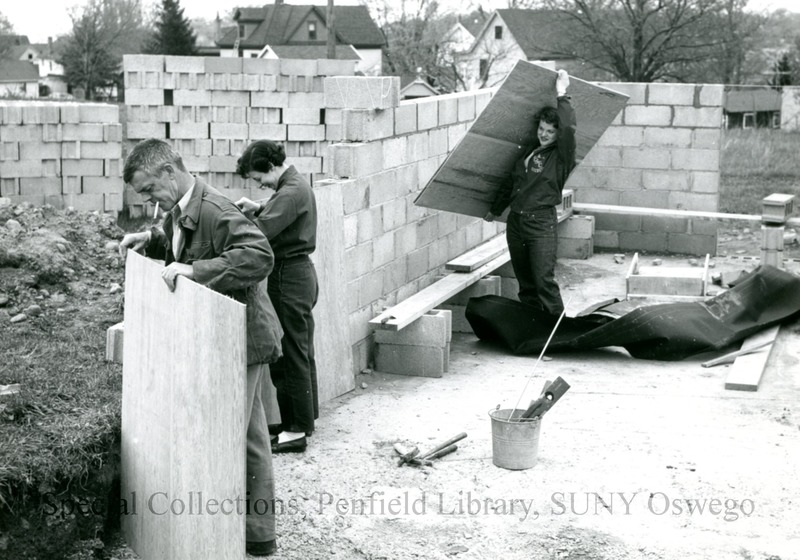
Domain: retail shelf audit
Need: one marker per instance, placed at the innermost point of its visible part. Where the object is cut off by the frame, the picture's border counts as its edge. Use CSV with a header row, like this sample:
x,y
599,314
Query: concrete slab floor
x,y
640,459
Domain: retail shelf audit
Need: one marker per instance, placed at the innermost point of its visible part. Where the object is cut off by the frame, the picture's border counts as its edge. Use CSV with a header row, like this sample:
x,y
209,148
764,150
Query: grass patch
x,y
756,163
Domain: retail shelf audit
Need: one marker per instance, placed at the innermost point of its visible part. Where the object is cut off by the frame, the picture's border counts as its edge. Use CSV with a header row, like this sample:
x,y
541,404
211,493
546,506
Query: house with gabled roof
x,y
281,25
509,35
19,78
52,78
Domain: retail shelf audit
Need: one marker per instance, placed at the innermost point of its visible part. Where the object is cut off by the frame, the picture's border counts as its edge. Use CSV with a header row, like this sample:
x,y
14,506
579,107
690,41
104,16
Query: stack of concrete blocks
x,y
457,305
775,210
210,108
662,151
62,154
389,150
115,341
576,238
420,349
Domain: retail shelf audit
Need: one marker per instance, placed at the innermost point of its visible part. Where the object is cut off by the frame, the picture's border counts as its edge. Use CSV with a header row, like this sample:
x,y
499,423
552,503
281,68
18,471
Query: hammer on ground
x,y
407,456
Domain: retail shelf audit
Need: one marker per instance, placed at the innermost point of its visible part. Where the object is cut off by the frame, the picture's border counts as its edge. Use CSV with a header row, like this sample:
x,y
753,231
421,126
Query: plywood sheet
x,y
467,181
183,417
746,371
334,354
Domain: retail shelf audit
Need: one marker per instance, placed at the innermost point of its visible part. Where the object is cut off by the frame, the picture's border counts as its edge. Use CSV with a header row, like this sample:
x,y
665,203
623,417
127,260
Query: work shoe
x,y
264,548
293,446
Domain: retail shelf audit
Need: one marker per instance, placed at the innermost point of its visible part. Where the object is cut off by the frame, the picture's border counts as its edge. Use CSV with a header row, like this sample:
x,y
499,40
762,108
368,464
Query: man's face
x,y
547,133
268,180
161,188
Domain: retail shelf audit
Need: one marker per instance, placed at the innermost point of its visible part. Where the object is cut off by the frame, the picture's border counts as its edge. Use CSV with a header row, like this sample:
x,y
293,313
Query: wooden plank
x,y
183,417
582,207
333,353
746,371
479,256
410,309
467,181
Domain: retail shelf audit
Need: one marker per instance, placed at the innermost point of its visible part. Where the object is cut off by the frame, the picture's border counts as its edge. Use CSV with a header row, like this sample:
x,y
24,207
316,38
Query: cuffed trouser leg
x,y
260,521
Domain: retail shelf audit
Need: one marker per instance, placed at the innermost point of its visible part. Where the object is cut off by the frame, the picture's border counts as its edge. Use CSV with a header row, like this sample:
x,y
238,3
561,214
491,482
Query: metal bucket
x,y
515,444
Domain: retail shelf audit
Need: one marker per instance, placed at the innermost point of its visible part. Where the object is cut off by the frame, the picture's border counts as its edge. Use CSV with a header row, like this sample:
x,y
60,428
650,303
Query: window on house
x,y
312,30
30,56
241,31
498,31
483,65
749,120
776,119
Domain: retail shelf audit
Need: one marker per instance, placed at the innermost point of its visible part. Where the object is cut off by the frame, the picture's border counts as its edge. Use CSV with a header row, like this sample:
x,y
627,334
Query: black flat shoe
x,y
265,548
294,446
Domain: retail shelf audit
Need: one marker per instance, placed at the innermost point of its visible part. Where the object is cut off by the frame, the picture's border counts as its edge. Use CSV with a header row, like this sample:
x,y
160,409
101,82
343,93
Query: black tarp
x,y
666,331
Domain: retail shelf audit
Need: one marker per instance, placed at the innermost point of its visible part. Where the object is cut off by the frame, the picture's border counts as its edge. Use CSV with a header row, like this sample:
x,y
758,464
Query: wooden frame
x,y
688,283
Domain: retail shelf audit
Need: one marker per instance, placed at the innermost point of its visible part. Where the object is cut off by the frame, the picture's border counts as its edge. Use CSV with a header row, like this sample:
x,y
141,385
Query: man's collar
x,y
189,205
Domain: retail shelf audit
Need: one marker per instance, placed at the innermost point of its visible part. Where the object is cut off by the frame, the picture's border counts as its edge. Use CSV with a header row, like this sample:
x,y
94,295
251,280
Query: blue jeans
x,y
532,239
293,290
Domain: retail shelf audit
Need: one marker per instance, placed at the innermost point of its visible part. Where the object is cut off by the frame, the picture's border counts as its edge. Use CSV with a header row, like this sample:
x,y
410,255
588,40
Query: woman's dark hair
x,y
548,115
262,156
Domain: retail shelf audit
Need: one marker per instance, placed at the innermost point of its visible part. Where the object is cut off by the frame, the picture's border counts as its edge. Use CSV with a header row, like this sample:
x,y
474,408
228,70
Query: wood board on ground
x,y
467,181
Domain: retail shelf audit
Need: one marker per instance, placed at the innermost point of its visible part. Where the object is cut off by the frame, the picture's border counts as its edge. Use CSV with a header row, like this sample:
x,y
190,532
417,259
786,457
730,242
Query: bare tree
x,y
102,31
641,40
6,31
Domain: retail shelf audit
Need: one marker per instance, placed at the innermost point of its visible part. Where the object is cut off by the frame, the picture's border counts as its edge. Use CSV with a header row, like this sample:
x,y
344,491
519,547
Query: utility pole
x,y
331,31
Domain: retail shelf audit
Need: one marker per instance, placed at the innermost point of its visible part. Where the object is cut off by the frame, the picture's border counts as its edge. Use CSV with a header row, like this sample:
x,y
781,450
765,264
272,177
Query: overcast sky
x,y
39,19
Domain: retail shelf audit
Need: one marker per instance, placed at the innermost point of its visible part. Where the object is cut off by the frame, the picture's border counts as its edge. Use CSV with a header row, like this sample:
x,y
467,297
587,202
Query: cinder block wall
x,y
389,151
210,108
662,151
62,154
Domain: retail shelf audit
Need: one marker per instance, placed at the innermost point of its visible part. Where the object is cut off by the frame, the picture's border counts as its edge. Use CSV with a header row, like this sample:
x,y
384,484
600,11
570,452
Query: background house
x,y
752,107
51,77
281,25
19,78
513,34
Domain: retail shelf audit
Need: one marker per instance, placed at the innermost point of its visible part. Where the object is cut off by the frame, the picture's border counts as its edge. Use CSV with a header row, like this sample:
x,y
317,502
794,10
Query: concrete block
x,y
142,63
230,98
448,109
438,142
269,99
670,94
11,114
334,67
264,115
261,66
509,288
22,168
190,130
645,199
188,64
421,361
51,133
222,164
90,132
112,202
695,160
276,132
667,137
360,125
638,241
482,99
306,100
183,97
427,113
228,130
47,186
665,180
600,156
223,65
101,150
692,244
14,133
82,167
622,136
405,118
711,95
356,92
569,248
460,322
71,185
772,258
305,132
144,96
38,150
307,164
85,202
112,133
40,114
100,185
298,67
707,138
9,151
395,152
576,227
703,117
606,239
705,181
466,107
661,224
310,115
356,159
142,130
645,158
639,115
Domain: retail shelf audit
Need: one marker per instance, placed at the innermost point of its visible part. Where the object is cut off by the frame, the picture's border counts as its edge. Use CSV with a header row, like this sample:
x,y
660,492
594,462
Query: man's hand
x,y
248,207
489,217
135,241
170,273
562,82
